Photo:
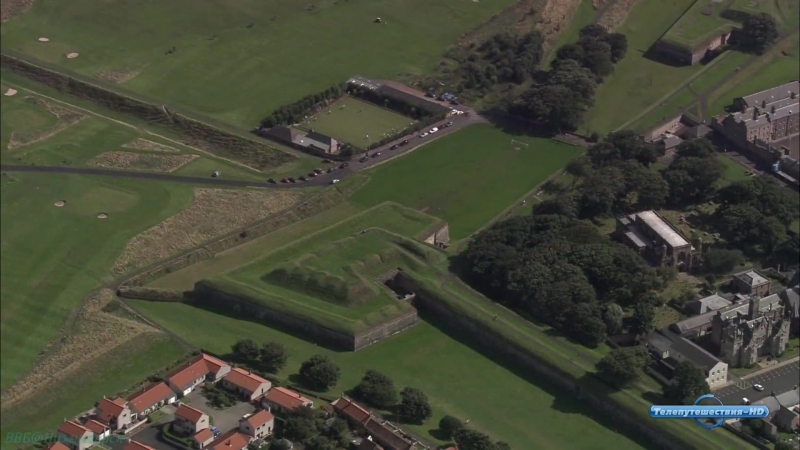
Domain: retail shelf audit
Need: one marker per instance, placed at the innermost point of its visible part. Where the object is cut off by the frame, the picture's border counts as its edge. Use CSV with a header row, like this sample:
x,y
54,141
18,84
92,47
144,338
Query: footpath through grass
x,y
466,178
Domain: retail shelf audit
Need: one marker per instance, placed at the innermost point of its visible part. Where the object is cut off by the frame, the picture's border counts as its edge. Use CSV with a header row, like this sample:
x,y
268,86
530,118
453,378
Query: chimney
x,y
753,310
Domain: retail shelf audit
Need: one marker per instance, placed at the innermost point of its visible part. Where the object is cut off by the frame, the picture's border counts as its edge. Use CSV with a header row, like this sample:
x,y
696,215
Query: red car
x,y
284,180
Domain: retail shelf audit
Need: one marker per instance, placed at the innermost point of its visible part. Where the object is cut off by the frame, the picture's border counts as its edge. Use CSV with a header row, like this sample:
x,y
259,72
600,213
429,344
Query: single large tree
x,y
449,425
643,319
689,382
759,31
612,316
245,350
414,406
319,373
467,439
622,366
377,389
273,356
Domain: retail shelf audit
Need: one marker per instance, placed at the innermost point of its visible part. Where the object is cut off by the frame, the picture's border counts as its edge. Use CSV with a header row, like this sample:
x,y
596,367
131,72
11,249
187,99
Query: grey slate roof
x,y
670,142
774,403
662,228
766,106
791,297
283,133
676,344
710,303
695,322
697,131
751,278
771,95
319,137
744,308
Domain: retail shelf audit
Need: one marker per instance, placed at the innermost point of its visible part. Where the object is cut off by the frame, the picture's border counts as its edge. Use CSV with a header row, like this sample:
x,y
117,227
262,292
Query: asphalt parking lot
x,y
777,380
225,419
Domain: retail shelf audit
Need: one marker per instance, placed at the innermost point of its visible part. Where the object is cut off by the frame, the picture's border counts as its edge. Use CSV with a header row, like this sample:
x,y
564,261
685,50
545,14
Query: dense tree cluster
x,y
376,389
561,271
270,356
319,373
308,427
295,112
503,58
623,366
758,32
754,215
558,104
693,175
689,382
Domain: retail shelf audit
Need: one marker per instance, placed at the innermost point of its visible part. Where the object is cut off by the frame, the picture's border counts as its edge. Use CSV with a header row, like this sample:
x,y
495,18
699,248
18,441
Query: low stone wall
x,y
152,294
385,330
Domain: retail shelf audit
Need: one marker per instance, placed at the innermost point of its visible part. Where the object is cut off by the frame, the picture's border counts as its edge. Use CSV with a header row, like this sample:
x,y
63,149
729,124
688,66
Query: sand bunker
x,y
102,216
60,203
72,55
44,39
10,92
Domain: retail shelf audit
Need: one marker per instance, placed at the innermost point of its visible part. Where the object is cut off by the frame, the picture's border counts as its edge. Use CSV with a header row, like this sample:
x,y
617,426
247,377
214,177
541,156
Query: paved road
x,y
385,154
778,380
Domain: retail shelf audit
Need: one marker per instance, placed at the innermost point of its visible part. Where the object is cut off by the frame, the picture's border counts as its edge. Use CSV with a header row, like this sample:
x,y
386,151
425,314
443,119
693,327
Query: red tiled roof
x,y
110,408
232,440
96,427
120,401
56,446
351,409
72,429
285,398
188,413
134,445
383,434
213,364
186,376
150,396
244,379
202,436
260,418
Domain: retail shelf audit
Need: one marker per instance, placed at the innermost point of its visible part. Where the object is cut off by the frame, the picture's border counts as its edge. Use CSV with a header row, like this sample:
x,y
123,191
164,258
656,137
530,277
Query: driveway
x,y
225,419
778,380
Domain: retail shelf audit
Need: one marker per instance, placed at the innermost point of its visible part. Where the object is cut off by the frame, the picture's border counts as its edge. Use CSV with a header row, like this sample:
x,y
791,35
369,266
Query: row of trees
x,y
377,389
318,372
295,112
559,103
562,271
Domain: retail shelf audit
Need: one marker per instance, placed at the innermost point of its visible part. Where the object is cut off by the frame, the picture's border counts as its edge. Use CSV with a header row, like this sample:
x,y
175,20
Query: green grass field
x,y
232,73
701,24
351,120
466,178
111,374
638,83
53,257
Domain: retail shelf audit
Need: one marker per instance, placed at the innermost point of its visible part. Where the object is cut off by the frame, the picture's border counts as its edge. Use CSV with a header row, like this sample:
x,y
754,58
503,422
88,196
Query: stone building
x,y
655,239
747,332
751,282
768,115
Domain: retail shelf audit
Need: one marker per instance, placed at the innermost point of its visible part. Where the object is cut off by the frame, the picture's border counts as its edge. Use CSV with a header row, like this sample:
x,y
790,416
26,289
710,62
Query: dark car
x,y
271,180
343,165
312,174
449,124
284,180
364,159
430,95
394,147
329,170
405,142
376,154
454,102
318,170
303,178
292,180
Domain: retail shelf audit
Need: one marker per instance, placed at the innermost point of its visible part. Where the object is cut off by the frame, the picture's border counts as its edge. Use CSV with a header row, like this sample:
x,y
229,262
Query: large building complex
x,y
657,240
768,116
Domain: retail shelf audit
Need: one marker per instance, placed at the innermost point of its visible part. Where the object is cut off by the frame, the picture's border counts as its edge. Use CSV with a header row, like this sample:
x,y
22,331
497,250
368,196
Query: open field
x,y
351,120
220,44
54,256
456,378
213,212
638,82
584,15
466,178
138,161
112,373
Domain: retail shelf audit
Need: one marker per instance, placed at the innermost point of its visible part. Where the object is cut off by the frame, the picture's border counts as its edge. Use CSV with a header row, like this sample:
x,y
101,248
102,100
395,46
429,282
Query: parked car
x,y
364,159
292,180
430,95
334,181
327,161
458,112
216,174
329,170
271,180
318,170
376,154
454,102
422,135
284,180
394,147
758,387
343,165
312,174
449,124
745,401
405,142
302,178
433,130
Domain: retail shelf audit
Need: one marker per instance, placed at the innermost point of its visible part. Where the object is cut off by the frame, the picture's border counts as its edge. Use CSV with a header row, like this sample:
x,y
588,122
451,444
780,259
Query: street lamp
x,y
367,143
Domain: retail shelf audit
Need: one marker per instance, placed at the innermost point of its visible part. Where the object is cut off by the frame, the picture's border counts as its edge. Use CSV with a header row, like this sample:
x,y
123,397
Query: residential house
x,y
783,412
100,430
670,349
768,115
750,282
189,421
245,383
75,436
258,425
232,440
354,413
115,413
200,369
202,438
668,143
282,400
135,445
748,332
655,239
384,436
711,303
151,399
791,300
320,141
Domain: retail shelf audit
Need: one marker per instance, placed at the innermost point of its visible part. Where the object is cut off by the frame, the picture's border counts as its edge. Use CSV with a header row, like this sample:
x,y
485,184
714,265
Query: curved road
x,y
385,154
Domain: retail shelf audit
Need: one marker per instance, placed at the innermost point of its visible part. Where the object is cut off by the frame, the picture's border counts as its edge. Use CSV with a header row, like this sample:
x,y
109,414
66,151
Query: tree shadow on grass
x,y
564,401
439,435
